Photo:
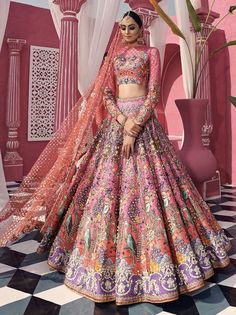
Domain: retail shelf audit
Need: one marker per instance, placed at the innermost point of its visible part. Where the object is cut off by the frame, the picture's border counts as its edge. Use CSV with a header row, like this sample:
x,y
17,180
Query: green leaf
x,y
231,43
185,195
232,99
227,44
232,8
167,19
193,16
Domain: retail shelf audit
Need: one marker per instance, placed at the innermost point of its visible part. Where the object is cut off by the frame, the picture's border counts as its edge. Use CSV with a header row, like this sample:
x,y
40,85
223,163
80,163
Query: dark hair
x,y
134,16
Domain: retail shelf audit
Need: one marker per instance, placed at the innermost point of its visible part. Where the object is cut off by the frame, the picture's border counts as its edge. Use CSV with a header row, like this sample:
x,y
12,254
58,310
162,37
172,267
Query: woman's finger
x,y
123,149
128,152
137,128
132,148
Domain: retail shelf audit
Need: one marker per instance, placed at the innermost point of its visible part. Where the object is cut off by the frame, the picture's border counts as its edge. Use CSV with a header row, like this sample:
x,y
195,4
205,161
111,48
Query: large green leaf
x,y
232,8
232,99
231,43
193,16
167,19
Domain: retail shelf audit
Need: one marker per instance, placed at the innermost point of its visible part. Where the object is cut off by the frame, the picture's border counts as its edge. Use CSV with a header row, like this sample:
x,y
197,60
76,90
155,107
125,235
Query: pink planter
x,y
199,160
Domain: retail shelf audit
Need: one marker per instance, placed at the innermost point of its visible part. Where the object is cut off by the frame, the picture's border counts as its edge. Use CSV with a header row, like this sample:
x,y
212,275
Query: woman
x,y
131,227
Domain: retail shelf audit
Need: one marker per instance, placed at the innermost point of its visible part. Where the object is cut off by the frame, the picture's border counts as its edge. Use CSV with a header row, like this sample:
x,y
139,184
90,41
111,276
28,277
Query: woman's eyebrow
x,y
127,25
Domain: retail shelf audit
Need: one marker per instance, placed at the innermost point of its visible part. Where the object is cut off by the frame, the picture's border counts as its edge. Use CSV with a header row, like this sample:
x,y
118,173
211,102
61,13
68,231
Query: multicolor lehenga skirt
x,y
134,230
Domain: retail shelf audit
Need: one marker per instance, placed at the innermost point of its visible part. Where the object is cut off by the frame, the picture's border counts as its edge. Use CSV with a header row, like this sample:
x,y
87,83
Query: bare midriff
x,y
131,90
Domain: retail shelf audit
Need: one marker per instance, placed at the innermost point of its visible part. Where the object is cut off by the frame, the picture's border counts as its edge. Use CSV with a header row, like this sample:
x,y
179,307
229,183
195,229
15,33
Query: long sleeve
x,y
153,96
109,97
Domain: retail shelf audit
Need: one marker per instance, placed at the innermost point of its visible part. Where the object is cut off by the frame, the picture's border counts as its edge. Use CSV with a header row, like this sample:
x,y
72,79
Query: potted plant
x,y
199,161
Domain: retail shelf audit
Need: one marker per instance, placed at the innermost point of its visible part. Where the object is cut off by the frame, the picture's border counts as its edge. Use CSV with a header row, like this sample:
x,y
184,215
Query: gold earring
x,y
140,41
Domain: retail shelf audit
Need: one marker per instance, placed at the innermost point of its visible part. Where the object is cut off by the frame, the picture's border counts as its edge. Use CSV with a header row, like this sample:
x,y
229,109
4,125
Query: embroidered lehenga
x,y
133,230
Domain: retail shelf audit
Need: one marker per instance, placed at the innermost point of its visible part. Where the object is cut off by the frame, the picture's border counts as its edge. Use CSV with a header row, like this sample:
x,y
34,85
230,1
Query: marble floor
x,y
28,287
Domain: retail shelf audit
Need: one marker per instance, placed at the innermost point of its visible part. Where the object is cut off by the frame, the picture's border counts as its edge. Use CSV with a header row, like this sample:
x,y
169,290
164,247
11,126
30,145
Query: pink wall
x,y
172,88
36,27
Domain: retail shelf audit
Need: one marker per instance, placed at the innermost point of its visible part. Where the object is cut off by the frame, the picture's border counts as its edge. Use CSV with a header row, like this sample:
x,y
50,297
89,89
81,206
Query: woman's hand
x,y
128,146
121,119
132,128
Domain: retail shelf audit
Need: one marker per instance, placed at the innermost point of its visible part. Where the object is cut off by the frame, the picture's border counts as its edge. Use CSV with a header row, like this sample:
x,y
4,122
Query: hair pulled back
x,y
135,17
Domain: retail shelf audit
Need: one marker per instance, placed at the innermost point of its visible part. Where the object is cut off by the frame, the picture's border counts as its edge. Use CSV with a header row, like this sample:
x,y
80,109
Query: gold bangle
x,y
128,134
135,121
124,121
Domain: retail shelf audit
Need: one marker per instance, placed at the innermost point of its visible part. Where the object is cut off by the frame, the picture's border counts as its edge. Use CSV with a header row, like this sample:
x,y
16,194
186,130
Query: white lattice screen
x,y
42,92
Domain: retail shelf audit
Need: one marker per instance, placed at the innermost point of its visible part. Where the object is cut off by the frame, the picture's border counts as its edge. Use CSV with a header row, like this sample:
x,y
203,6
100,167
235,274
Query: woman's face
x,y
130,30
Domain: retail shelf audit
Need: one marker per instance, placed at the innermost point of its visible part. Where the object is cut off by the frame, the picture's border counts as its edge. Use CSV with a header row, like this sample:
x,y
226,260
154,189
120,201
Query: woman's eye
x,y
123,28
132,28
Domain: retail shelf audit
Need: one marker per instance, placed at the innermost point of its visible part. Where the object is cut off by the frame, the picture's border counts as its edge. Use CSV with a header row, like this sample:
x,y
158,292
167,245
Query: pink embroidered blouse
x,y
137,65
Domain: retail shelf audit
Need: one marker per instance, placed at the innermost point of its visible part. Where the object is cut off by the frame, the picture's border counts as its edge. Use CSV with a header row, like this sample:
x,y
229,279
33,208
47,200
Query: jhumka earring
x,y
140,40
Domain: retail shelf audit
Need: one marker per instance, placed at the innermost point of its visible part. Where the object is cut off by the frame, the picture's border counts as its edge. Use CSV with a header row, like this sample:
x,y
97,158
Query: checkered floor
x,y
28,287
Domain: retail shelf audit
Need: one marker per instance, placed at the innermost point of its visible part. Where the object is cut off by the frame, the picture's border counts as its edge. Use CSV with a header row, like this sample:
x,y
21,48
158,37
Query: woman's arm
x,y
109,98
153,96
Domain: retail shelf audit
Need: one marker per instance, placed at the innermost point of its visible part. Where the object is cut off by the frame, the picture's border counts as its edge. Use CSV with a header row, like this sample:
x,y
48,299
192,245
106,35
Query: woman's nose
x,y
126,30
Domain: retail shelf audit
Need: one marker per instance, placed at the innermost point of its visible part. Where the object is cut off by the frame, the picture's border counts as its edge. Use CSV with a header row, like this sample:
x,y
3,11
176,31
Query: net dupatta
x,y
43,189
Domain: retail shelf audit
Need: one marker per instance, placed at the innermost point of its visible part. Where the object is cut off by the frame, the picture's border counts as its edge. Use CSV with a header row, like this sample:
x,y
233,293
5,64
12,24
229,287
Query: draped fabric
x,y
96,20
3,189
4,10
196,4
184,25
42,190
56,16
158,32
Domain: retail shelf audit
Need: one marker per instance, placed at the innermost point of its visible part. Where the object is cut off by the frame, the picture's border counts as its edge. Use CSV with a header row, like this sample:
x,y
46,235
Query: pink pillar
x,y
204,85
13,162
210,188
147,13
67,86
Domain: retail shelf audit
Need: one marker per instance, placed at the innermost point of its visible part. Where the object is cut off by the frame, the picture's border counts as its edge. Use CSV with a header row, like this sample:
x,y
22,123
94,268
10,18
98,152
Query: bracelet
x,y
126,133
139,124
124,121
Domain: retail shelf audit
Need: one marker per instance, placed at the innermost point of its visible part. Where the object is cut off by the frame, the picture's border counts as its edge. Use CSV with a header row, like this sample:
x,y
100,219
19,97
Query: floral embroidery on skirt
x,y
133,230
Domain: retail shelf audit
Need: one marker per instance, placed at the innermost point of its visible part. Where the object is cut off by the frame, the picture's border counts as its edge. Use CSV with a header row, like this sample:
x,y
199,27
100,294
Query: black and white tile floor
x,y
28,287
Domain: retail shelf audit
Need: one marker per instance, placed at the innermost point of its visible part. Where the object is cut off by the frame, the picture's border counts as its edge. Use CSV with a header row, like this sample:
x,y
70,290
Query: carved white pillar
x,y
67,86
13,162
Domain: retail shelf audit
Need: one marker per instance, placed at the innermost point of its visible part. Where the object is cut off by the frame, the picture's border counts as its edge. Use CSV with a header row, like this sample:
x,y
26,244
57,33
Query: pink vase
x,y
198,159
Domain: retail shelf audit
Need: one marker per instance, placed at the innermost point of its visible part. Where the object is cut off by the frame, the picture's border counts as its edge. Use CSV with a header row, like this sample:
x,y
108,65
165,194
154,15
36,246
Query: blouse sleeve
x,y
153,96
109,96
